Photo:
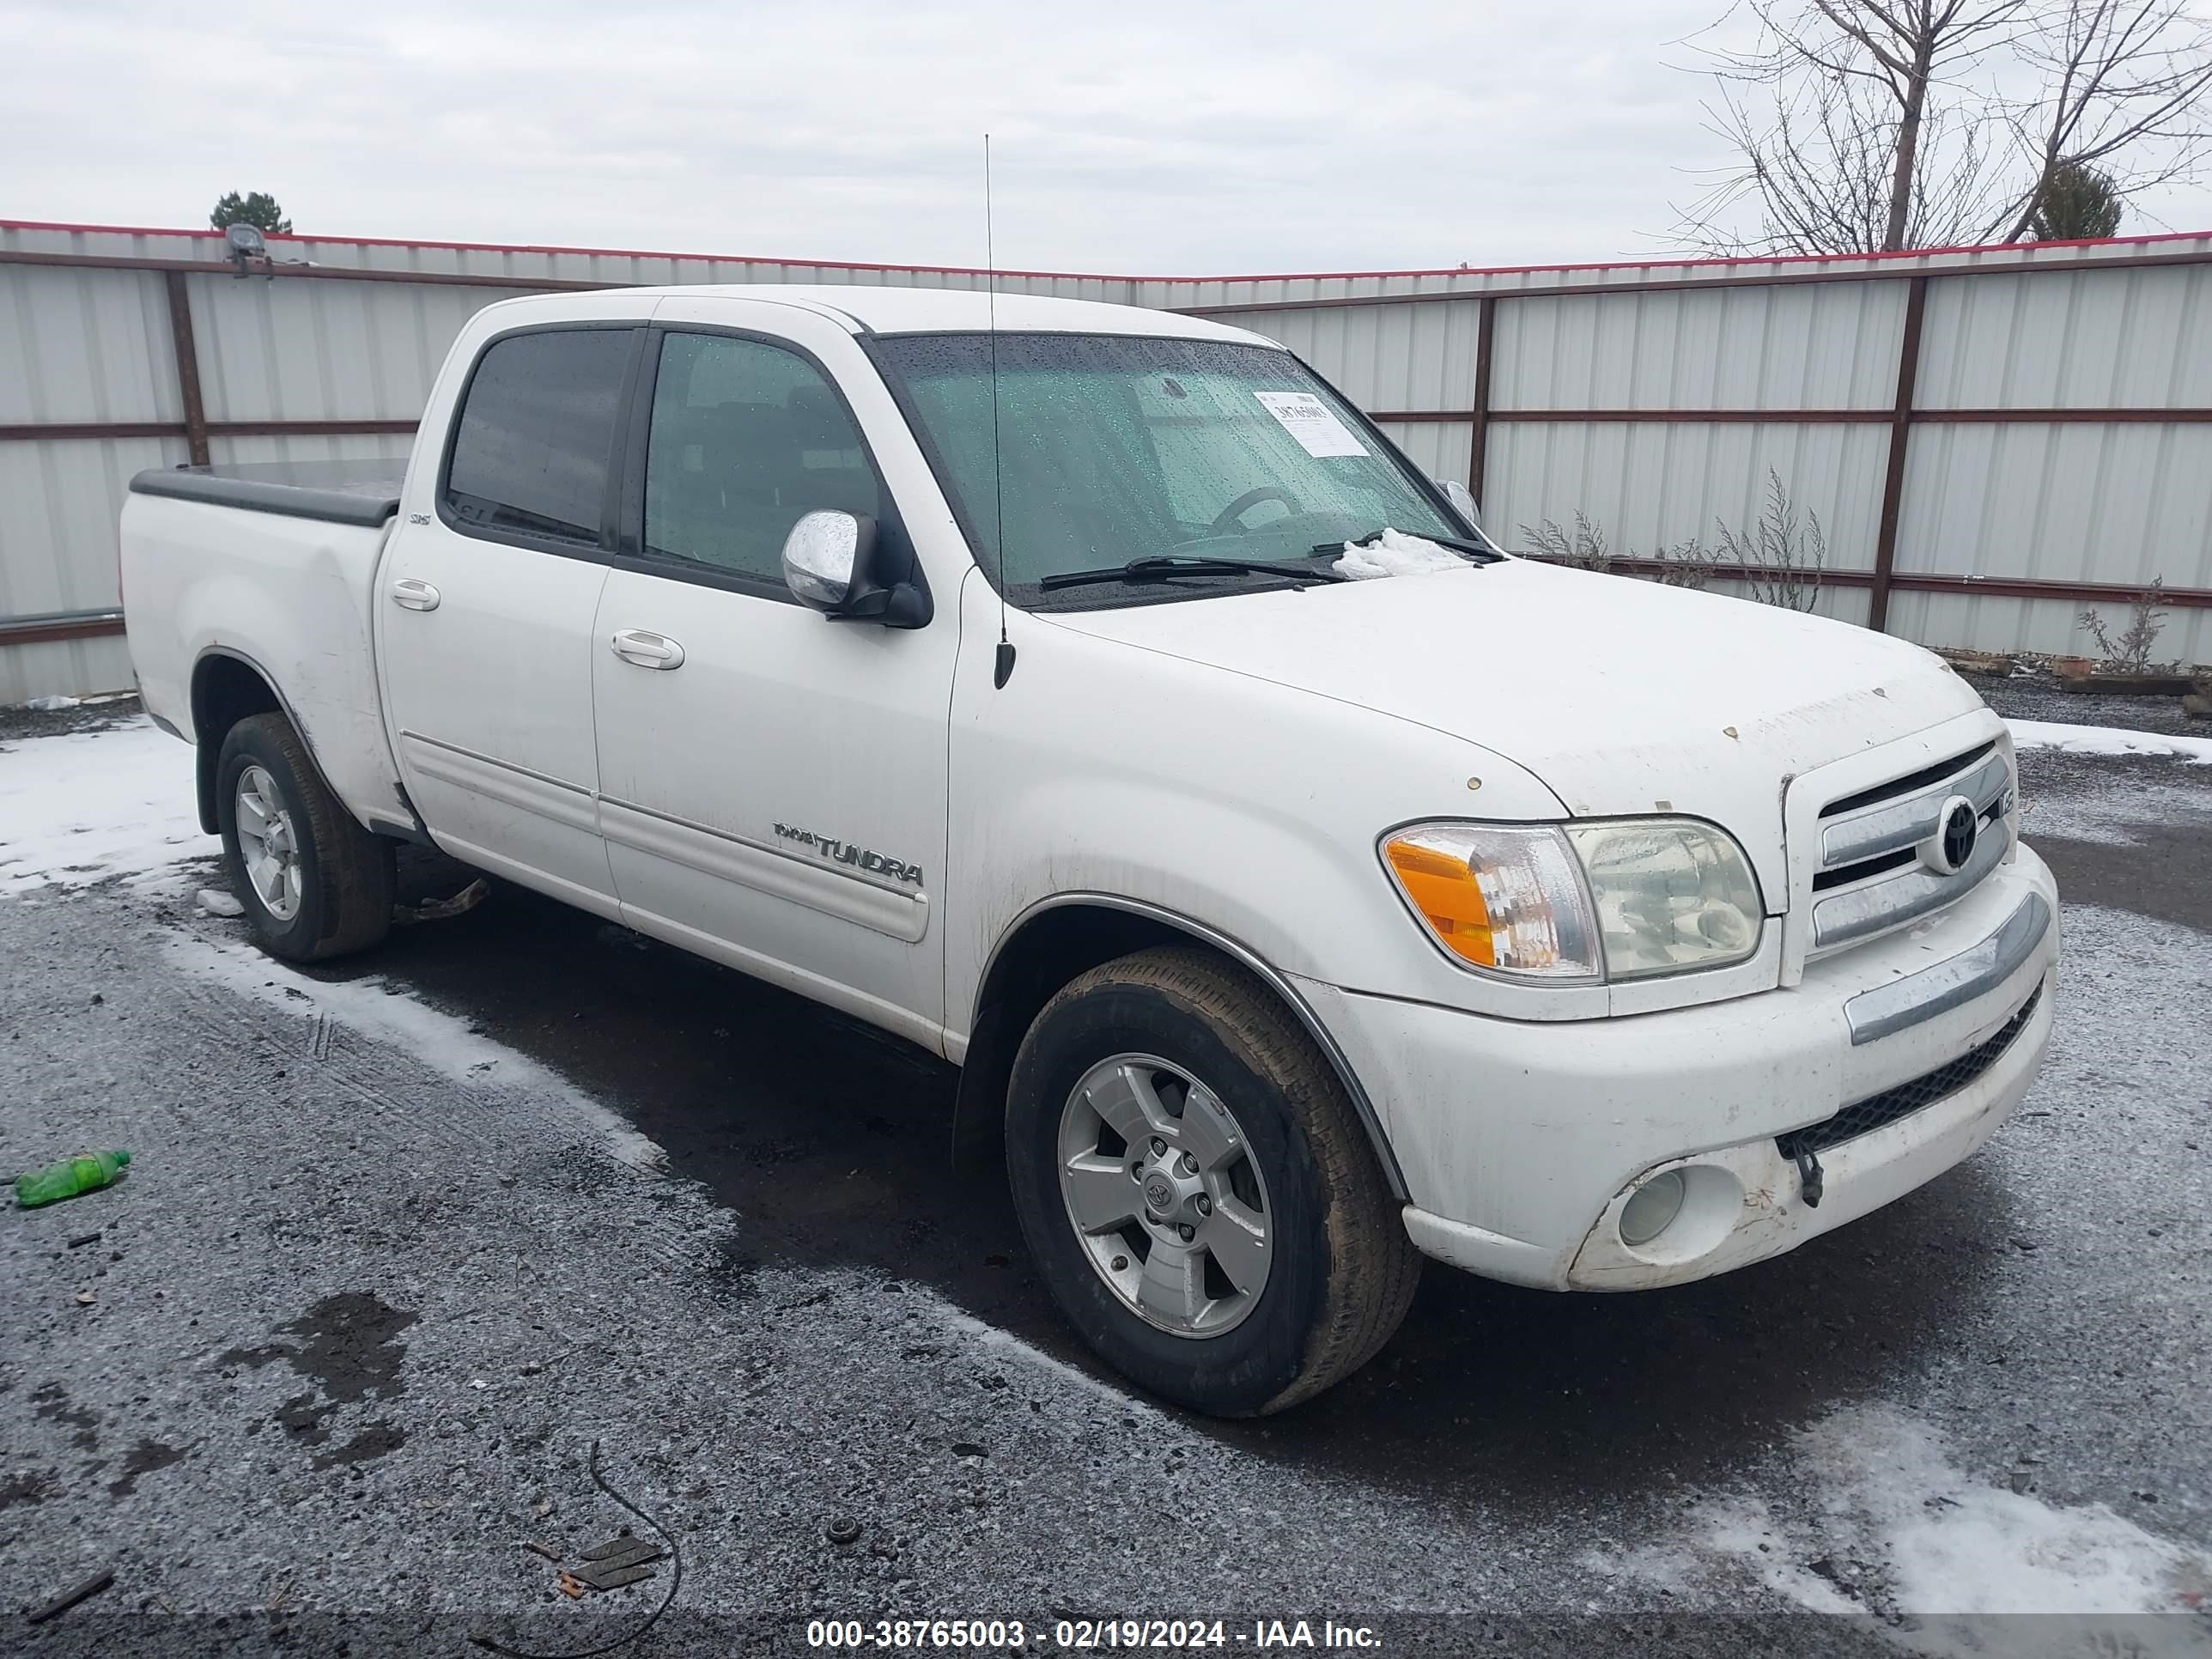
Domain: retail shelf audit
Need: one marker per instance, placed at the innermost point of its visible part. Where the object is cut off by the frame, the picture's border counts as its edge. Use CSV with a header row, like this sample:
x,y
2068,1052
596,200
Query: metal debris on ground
x,y
843,1530
545,1550
622,1560
69,1598
617,1548
440,909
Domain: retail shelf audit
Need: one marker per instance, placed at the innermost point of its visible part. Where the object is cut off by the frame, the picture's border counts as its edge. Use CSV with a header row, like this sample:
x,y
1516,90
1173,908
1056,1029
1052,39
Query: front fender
x,y
1250,808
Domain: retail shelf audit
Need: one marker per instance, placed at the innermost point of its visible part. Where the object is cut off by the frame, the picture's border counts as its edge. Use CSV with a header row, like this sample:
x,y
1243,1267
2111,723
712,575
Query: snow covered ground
x,y
2107,741
88,806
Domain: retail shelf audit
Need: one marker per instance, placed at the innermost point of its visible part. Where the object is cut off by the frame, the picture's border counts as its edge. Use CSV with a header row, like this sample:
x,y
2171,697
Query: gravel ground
x,y
21,721
406,1239
2039,697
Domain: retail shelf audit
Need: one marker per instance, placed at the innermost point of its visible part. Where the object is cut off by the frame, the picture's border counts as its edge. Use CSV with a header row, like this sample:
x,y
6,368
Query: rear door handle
x,y
647,650
414,595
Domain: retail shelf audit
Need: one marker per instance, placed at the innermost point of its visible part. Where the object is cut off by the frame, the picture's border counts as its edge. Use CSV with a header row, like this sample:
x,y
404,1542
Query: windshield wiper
x,y
1162,566
1480,552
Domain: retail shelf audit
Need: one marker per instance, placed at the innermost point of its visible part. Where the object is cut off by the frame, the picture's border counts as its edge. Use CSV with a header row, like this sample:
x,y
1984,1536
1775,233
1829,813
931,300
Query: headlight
x,y
1499,895
1672,895
1618,900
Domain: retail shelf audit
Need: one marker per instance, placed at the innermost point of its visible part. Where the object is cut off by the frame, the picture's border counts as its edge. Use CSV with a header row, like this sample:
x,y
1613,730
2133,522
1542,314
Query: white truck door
x,y
486,605
772,781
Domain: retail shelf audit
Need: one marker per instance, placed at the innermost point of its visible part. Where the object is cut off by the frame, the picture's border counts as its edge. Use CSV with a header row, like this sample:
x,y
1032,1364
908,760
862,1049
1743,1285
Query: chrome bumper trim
x,y
1904,1003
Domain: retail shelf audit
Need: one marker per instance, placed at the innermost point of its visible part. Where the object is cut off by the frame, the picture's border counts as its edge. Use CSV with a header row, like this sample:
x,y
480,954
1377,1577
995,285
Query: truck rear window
x,y
536,434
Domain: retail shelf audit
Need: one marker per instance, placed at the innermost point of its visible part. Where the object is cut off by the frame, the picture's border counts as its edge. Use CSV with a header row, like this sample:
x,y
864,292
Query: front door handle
x,y
647,650
414,595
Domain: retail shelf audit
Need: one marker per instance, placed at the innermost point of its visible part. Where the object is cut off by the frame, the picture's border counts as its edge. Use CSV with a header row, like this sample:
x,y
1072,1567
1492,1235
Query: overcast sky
x,y
1129,137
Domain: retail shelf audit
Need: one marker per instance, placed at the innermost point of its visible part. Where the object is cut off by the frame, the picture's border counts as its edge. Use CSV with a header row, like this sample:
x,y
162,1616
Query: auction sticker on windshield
x,y
1312,423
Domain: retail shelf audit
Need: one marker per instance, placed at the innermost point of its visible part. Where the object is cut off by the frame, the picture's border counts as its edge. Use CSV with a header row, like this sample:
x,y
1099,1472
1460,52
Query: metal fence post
x,y
1485,334
1900,432
188,366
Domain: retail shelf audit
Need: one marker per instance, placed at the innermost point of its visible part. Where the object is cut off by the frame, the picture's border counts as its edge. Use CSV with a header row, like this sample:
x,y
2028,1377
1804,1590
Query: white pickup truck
x,y
992,677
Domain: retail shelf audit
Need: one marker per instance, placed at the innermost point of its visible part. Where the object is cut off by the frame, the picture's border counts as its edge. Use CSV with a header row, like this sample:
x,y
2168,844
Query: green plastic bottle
x,y
66,1179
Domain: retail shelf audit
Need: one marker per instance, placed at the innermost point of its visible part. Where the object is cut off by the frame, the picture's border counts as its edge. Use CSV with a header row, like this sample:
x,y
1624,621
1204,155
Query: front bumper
x,y
1520,1142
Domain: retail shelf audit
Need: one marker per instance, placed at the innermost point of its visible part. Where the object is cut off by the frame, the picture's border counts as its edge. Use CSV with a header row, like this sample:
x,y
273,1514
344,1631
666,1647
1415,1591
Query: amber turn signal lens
x,y
1445,890
1497,895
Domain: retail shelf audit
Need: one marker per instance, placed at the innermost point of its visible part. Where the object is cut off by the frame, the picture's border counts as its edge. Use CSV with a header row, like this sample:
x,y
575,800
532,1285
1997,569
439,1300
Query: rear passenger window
x,y
537,434
745,438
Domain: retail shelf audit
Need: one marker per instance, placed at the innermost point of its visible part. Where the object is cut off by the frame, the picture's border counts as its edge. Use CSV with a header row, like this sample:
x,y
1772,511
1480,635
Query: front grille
x,y
1879,1111
1870,876
1865,871
1911,781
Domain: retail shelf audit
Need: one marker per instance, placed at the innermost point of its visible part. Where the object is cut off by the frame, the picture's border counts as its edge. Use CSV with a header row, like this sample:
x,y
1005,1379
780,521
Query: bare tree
x,y
2126,86
1835,111
1862,125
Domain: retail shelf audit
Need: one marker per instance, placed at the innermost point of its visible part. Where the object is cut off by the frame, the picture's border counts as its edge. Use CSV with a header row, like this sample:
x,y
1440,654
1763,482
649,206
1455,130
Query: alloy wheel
x,y
1164,1195
267,845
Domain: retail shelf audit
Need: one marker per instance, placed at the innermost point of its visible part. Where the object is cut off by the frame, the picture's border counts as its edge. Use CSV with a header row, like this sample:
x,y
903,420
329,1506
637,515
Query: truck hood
x,y
1623,696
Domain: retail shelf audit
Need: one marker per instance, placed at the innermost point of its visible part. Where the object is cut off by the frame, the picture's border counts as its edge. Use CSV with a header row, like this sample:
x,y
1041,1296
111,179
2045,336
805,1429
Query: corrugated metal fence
x,y
1991,439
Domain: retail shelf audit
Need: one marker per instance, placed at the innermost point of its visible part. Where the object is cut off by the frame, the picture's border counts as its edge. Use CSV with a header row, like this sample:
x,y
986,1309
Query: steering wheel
x,y
1227,519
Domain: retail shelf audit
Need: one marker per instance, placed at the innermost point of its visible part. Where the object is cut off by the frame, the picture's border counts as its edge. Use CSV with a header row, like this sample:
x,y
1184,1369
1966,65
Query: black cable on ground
x,y
675,1583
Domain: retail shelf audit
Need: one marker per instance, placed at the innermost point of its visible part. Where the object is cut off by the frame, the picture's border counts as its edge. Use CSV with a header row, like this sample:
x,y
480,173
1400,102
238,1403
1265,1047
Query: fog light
x,y
1650,1208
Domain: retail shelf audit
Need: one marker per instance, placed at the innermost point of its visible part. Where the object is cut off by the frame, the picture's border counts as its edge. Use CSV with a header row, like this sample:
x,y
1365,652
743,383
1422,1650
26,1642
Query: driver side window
x,y
745,439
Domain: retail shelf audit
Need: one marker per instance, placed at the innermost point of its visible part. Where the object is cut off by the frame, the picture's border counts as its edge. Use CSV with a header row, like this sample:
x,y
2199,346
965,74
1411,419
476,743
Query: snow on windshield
x,y
1395,554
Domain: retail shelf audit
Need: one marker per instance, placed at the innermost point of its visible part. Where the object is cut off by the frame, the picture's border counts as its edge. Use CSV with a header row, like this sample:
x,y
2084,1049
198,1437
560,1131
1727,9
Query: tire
x,y
1339,1270
333,894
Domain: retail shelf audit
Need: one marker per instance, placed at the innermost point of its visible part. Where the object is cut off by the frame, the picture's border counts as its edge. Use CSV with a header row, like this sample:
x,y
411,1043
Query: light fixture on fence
x,y
246,247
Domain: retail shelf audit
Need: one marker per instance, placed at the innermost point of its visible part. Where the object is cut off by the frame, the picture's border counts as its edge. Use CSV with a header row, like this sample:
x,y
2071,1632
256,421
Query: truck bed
x,y
337,492
273,565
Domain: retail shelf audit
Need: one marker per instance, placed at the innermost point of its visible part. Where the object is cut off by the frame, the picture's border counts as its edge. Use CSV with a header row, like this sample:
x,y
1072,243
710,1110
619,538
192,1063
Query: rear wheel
x,y
1196,1189
315,884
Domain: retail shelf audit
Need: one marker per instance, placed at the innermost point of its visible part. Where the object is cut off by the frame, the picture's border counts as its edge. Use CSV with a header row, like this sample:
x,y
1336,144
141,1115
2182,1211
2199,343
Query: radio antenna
x,y
1003,669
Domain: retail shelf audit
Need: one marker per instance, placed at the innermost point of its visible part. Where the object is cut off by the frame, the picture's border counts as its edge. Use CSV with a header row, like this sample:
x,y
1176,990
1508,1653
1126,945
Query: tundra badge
x,y
843,851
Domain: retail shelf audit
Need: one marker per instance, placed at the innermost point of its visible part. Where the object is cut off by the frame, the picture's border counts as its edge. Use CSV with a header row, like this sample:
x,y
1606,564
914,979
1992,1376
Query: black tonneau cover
x,y
341,492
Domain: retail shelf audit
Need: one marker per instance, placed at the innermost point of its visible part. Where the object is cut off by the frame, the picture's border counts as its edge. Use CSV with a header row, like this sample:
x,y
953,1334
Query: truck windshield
x,y
1115,448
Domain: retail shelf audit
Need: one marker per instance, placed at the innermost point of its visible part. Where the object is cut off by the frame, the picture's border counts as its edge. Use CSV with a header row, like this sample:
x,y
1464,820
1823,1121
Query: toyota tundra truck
x,y
994,670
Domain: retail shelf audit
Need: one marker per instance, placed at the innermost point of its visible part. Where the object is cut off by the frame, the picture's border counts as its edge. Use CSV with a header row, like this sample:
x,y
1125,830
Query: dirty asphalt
x,y
383,1275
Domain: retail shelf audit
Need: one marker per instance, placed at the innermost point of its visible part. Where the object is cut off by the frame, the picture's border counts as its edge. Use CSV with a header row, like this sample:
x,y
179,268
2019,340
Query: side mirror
x,y
823,557
831,562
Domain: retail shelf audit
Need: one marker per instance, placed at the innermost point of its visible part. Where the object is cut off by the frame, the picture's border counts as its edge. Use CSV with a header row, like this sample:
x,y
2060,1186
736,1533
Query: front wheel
x,y
314,882
1196,1189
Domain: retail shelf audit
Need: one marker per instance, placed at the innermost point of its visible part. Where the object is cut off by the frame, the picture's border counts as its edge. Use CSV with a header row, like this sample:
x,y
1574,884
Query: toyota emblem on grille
x,y
1957,827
